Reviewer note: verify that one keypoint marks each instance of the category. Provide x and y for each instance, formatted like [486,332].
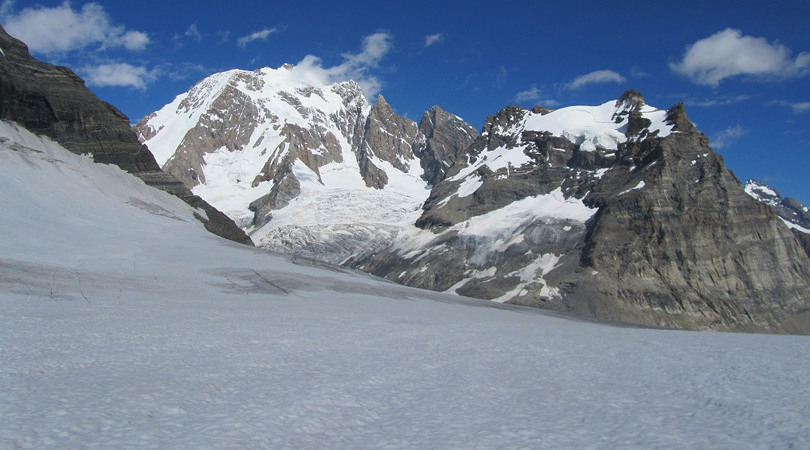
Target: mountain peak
[676,116]
[631,100]
[381,101]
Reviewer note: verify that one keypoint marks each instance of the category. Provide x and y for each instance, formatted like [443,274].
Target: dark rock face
[446,136]
[690,249]
[54,102]
[387,137]
[674,240]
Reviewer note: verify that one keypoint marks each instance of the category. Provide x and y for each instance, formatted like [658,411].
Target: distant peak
[631,100]
[287,66]
[380,100]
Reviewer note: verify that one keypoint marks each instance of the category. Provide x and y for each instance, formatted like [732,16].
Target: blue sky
[742,68]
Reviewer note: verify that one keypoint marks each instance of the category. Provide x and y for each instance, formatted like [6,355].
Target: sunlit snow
[593,127]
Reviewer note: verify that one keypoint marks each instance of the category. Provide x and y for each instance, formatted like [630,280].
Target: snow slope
[126,325]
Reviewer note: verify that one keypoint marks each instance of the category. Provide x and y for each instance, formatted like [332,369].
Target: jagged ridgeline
[54,102]
[619,211]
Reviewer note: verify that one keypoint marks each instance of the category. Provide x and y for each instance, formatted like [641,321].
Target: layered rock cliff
[619,211]
[54,102]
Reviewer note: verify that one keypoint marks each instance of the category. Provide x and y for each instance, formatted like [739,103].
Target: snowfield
[124,324]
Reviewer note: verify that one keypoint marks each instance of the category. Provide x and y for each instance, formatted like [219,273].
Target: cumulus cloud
[729,53]
[355,66]
[437,38]
[728,137]
[119,75]
[62,29]
[257,36]
[596,77]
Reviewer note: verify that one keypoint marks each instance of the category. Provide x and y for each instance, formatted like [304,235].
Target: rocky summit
[619,211]
[54,102]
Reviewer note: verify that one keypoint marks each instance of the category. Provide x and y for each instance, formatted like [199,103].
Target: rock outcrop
[54,102]
[446,136]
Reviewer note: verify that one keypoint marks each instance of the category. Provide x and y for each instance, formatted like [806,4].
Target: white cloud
[530,95]
[728,137]
[259,35]
[533,95]
[135,40]
[728,53]
[437,38]
[355,66]
[119,75]
[599,76]
[62,29]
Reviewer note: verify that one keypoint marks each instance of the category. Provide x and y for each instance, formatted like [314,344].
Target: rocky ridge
[619,211]
[54,102]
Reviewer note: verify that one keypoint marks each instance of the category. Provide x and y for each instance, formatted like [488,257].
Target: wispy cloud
[635,72]
[257,36]
[530,95]
[729,53]
[801,107]
[797,107]
[596,77]
[355,66]
[119,75]
[437,38]
[728,137]
[501,76]
[533,95]
[62,29]
[193,33]
[719,101]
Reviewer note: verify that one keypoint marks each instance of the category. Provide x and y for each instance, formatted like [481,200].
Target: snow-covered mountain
[332,171]
[793,213]
[618,211]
